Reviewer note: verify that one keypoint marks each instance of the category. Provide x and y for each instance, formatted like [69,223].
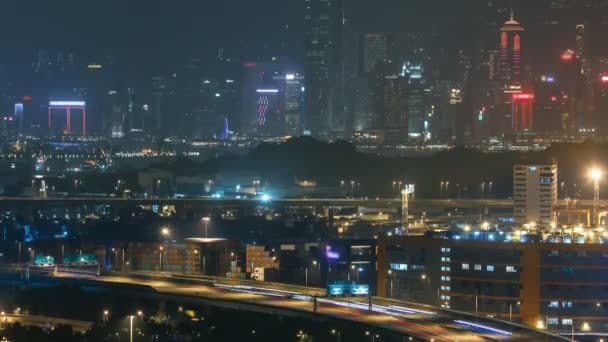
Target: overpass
[44,321]
[497,203]
[409,319]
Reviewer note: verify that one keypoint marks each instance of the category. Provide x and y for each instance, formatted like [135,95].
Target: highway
[422,322]
[335,202]
[44,321]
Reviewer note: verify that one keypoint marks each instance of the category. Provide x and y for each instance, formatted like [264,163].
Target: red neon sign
[523,96]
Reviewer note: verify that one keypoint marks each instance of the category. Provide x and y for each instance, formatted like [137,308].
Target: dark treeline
[329,163]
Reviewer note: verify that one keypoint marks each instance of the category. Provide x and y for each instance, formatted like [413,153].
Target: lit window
[553,304]
[510,269]
[490,268]
[477,267]
[566,321]
[398,267]
[567,305]
[465,266]
[552,321]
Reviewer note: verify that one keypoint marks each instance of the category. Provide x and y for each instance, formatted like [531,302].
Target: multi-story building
[292,104]
[534,193]
[510,54]
[374,50]
[320,31]
[555,282]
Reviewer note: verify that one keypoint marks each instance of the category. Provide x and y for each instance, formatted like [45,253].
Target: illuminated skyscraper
[374,50]
[510,55]
[320,37]
[292,104]
[523,111]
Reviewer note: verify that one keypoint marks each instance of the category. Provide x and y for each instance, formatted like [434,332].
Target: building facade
[556,282]
[534,194]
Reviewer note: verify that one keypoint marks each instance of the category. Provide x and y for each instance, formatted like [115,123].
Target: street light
[206,221]
[165,232]
[596,175]
[336,333]
[106,314]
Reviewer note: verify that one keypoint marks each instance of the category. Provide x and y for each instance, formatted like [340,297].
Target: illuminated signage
[266,91]
[67,104]
[94,66]
[523,96]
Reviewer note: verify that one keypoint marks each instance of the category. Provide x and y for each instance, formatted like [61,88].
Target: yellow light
[540,324]
[595,174]
[94,66]
[467,228]
[586,327]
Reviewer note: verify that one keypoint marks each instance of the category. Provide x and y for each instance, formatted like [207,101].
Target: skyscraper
[292,104]
[523,111]
[320,31]
[510,54]
[374,50]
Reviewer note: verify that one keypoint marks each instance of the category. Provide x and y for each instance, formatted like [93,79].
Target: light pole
[596,175]
[160,258]
[336,333]
[131,328]
[447,189]
[106,314]
[359,269]
[441,189]
[206,221]
[392,278]
[352,188]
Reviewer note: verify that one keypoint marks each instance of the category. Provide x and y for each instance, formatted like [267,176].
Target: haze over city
[303,170]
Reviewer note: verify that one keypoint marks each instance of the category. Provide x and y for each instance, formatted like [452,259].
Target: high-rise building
[394,113]
[510,54]
[320,35]
[113,108]
[268,111]
[534,193]
[292,104]
[374,50]
[522,111]
[417,124]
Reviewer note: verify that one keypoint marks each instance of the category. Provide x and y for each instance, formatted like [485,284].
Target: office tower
[349,65]
[549,104]
[256,75]
[394,113]
[268,111]
[415,100]
[18,115]
[320,36]
[510,54]
[522,111]
[534,193]
[292,104]
[114,110]
[374,50]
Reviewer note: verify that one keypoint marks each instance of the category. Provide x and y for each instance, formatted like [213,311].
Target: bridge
[409,319]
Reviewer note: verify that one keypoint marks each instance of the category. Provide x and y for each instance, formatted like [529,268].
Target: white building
[534,193]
